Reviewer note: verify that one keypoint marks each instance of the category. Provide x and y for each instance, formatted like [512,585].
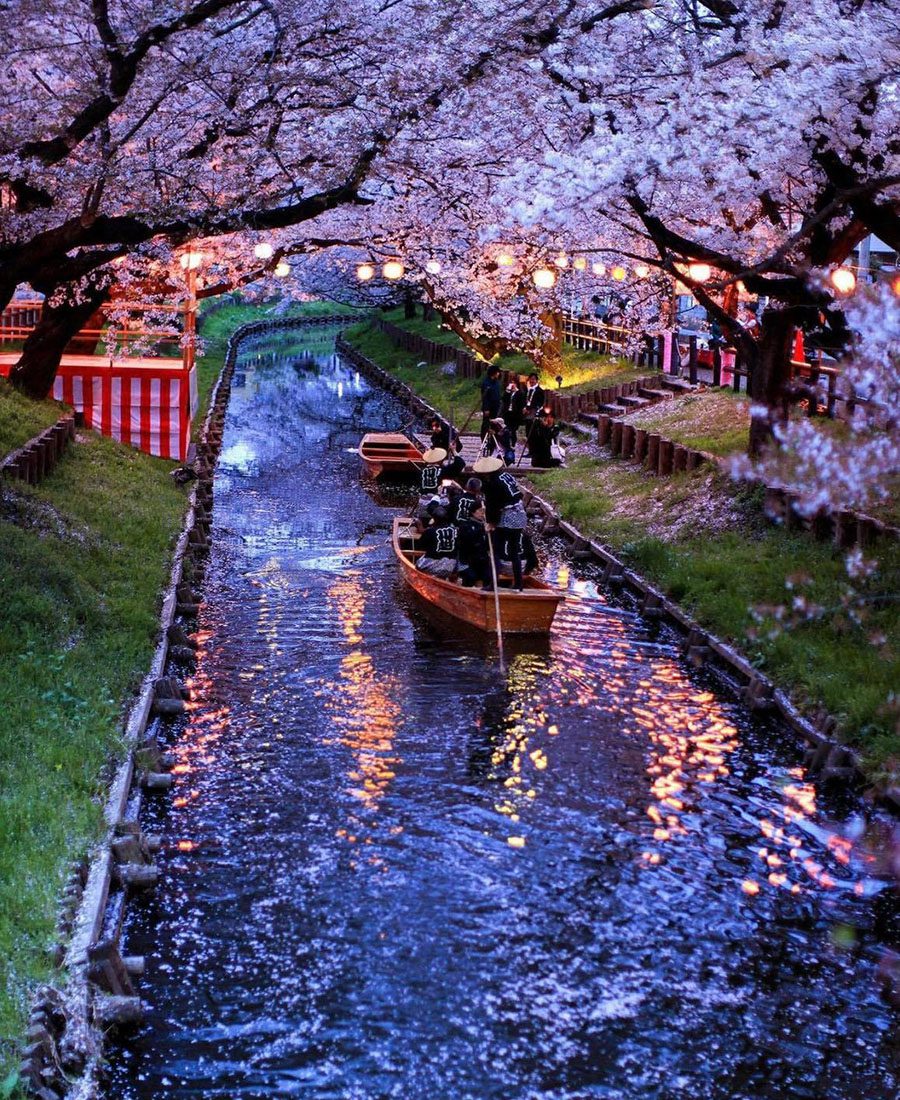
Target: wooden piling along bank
[37,458]
[66,1026]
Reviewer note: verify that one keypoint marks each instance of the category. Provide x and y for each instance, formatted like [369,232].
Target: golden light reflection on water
[514,763]
[689,734]
[365,710]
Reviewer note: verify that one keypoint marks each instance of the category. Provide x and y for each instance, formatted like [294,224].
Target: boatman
[430,483]
[504,513]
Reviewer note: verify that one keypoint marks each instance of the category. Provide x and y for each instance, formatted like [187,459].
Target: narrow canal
[390,871]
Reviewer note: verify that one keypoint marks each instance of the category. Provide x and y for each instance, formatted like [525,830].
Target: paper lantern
[393,270]
[699,272]
[544,278]
[843,280]
[579,263]
[190,261]
[263,251]
[282,269]
[505,260]
[598,268]
[562,260]
[619,273]
[433,267]
[365,272]
[642,271]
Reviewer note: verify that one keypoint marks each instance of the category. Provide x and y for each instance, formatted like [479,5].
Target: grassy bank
[705,541]
[83,560]
[21,418]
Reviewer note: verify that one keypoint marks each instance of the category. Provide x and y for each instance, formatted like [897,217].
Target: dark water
[389,871]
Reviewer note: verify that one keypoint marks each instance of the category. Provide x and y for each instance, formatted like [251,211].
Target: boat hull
[528,612]
[387,454]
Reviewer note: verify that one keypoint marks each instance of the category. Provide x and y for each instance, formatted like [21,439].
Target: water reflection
[389,871]
[363,705]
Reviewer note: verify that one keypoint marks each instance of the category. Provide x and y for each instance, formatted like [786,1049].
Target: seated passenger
[453,467]
[439,544]
[470,500]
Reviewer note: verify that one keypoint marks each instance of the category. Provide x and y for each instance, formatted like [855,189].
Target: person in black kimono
[490,398]
[439,546]
[504,513]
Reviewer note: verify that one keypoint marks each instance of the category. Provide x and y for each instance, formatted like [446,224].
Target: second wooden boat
[528,612]
[386,453]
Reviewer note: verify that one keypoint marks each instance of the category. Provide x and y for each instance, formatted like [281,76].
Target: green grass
[83,560]
[720,573]
[21,418]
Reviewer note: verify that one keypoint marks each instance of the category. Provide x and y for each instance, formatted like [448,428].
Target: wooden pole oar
[496,602]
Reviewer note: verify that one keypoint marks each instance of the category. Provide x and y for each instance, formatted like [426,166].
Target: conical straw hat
[487,465]
[435,454]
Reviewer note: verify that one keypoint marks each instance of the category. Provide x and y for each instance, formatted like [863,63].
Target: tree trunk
[409,306]
[39,362]
[548,357]
[427,311]
[769,374]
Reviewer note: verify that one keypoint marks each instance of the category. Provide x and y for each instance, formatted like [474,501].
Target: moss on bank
[83,561]
[705,541]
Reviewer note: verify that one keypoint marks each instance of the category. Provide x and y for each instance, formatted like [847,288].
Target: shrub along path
[705,541]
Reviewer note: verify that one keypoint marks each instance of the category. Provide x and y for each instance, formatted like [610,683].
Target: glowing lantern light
[263,251]
[642,271]
[598,268]
[505,260]
[282,269]
[843,280]
[433,267]
[544,278]
[619,273]
[895,285]
[393,270]
[579,263]
[365,272]
[562,260]
[699,272]
[190,261]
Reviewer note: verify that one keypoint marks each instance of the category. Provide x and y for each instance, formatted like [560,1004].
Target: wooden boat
[528,612]
[389,453]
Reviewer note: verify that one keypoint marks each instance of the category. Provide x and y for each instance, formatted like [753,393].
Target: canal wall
[98,987]
[827,760]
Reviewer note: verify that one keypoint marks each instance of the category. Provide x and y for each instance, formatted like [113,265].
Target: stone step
[589,418]
[613,410]
[655,395]
[631,402]
[677,385]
